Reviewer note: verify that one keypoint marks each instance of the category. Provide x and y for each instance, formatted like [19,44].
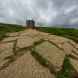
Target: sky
[46,12]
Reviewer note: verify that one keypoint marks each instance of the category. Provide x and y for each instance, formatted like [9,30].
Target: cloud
[49,12]
[70,9]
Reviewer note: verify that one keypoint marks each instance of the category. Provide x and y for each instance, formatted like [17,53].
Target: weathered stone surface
[65,44]
[67,48]
[26,67]
[9,39]
[44,35]
[77,46]
[13,34]
[52,53]
[5,51]
[57,39]
[37,38]
[30,33]
[24,42]
[74,63]
[53,49]
[6,47]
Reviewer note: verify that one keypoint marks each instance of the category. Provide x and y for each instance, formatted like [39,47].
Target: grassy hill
[70,33]
[5,28]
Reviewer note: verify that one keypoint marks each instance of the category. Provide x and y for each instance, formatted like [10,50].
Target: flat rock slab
[13,34]
[51,53]
[29,32]
[9,39]
[74,63]
[67,48]
[53,49]
[77,46]
[26,67]
[24,41]
[44,35]
[63,43]
[5,51]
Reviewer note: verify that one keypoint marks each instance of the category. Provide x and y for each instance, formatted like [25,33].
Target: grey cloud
[49,12]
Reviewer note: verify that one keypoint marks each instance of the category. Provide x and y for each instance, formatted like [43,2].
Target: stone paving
[16,60]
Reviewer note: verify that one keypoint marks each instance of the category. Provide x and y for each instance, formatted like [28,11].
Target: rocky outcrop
[17,60]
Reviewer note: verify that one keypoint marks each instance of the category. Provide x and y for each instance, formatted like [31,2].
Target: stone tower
[30,24]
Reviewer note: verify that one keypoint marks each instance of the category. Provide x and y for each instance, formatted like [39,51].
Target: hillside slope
[9,28]
[70,33]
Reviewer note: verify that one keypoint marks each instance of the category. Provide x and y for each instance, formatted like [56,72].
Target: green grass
[67,70]
[70,33]
[5,28]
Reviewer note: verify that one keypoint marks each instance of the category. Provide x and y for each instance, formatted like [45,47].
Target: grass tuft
[67,70]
